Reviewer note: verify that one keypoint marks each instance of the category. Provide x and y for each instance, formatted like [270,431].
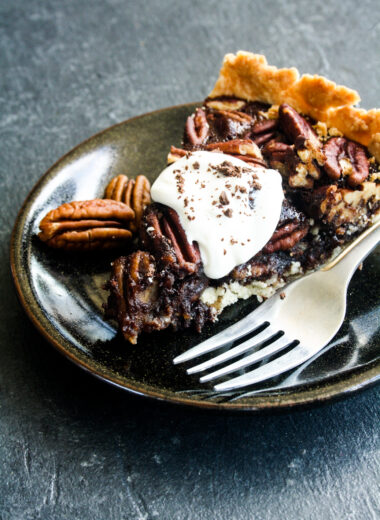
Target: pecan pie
[258,121]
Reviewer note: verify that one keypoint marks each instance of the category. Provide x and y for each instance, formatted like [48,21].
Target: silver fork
[309,311]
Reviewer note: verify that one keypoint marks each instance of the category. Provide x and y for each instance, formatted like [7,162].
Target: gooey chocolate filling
[160,284]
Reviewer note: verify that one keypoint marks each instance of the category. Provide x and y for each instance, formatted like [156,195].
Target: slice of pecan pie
[220,228]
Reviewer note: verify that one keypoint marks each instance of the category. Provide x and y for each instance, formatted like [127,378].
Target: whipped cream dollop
[227,206]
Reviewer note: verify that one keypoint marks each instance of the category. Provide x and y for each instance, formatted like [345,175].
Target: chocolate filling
[160,284]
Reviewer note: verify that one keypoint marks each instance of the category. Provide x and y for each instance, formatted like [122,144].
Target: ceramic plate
[63,293]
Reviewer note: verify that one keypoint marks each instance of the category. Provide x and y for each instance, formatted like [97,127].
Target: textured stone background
[72,447]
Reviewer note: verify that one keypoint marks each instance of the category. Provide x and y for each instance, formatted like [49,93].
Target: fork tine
[248,324]
[251,343]
[294,358]
[233,333]
[273,348]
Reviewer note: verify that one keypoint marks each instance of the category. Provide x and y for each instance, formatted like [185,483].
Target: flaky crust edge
[248,76]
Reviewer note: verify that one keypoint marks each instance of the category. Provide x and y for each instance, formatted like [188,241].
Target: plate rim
[332,390]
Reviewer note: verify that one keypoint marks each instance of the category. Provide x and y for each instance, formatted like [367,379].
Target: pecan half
[237,146]
[279,152]
[240,117]
[133,288]
[307,146]
[89,224]
[297,129]
[265,126]
[346,158]
[281,156]
[292,227]
[263,131]
[251,269]
[164,234]
[196,128]
[173,230]
[133,192]
[225,104]
[262,139]
[175,154]
[243,149]
[286,237]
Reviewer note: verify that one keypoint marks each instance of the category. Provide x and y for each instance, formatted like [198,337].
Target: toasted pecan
[89,224]
[133,192]
[345,157]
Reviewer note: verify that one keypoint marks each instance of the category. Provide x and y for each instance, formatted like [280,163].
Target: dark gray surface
[72,447]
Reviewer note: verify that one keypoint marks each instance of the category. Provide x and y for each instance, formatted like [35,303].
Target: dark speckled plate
[63,295]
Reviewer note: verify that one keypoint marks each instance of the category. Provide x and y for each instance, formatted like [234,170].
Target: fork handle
[348,260]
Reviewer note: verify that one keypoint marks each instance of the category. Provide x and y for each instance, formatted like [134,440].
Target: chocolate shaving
[228,169]
[223,198]
[254,183]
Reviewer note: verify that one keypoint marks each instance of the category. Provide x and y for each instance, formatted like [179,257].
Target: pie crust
[248,76]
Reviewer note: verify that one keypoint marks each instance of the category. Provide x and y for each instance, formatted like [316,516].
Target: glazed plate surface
[63,293]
